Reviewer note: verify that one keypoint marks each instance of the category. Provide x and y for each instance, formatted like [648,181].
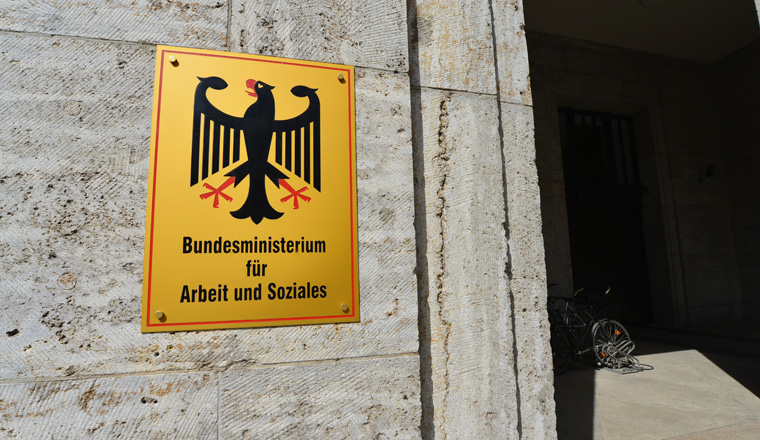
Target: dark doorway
[604,210]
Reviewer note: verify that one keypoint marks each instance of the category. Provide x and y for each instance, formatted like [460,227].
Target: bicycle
[576,330]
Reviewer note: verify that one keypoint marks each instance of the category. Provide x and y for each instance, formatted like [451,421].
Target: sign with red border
[251,214]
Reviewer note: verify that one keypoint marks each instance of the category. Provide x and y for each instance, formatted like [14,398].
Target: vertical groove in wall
[218,406]
[228,42]
[508,266]
[420,229]
[673,233]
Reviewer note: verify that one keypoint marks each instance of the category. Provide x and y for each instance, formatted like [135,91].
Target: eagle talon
[294,194]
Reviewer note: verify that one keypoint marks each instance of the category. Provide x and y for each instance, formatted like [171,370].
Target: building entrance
[603,193]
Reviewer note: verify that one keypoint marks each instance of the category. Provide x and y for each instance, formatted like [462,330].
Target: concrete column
[484,339]
[527,268]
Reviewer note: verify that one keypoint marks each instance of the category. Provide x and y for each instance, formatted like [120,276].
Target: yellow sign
[251,217]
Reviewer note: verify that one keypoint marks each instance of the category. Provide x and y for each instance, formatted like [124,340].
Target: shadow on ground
[574,398]
[704,386]
[733,347]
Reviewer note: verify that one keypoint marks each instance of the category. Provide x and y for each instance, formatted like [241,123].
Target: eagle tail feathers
[257,205]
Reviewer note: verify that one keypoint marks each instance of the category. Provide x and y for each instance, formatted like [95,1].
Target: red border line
[155,181]
[251,320]
[353,226]
[249,59]
[351,194]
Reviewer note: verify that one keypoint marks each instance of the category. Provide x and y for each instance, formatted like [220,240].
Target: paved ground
[694,392]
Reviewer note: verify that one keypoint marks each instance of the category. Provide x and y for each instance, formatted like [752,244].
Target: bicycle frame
[578,321]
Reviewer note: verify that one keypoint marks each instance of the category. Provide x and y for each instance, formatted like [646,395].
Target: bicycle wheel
[610,342]
[562,351]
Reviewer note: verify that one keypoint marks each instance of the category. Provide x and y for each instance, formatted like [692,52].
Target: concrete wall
[736,98]
[692,256]
[73,174]
[453,341]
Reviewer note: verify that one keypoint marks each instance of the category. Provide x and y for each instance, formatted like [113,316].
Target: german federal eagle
[216,144]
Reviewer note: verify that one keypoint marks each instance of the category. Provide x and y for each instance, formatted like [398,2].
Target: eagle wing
[216,135]
[301,137]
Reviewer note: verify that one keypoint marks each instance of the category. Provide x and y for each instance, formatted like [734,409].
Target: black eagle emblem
[216,144]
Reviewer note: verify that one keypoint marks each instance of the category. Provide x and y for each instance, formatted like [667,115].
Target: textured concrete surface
[455,44]
[152,406]
[74,196]
[511,52]
[527,272]
[200,23]
[362,33]
[73,171]
[470,329]
[523,198]
[353,399]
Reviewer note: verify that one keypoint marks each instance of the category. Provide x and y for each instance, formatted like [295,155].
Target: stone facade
[697,155]
[453,341]
[736,96]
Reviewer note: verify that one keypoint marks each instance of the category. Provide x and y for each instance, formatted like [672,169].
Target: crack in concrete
[440,162]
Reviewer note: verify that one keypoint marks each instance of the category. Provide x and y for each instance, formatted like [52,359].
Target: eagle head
[252,86]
